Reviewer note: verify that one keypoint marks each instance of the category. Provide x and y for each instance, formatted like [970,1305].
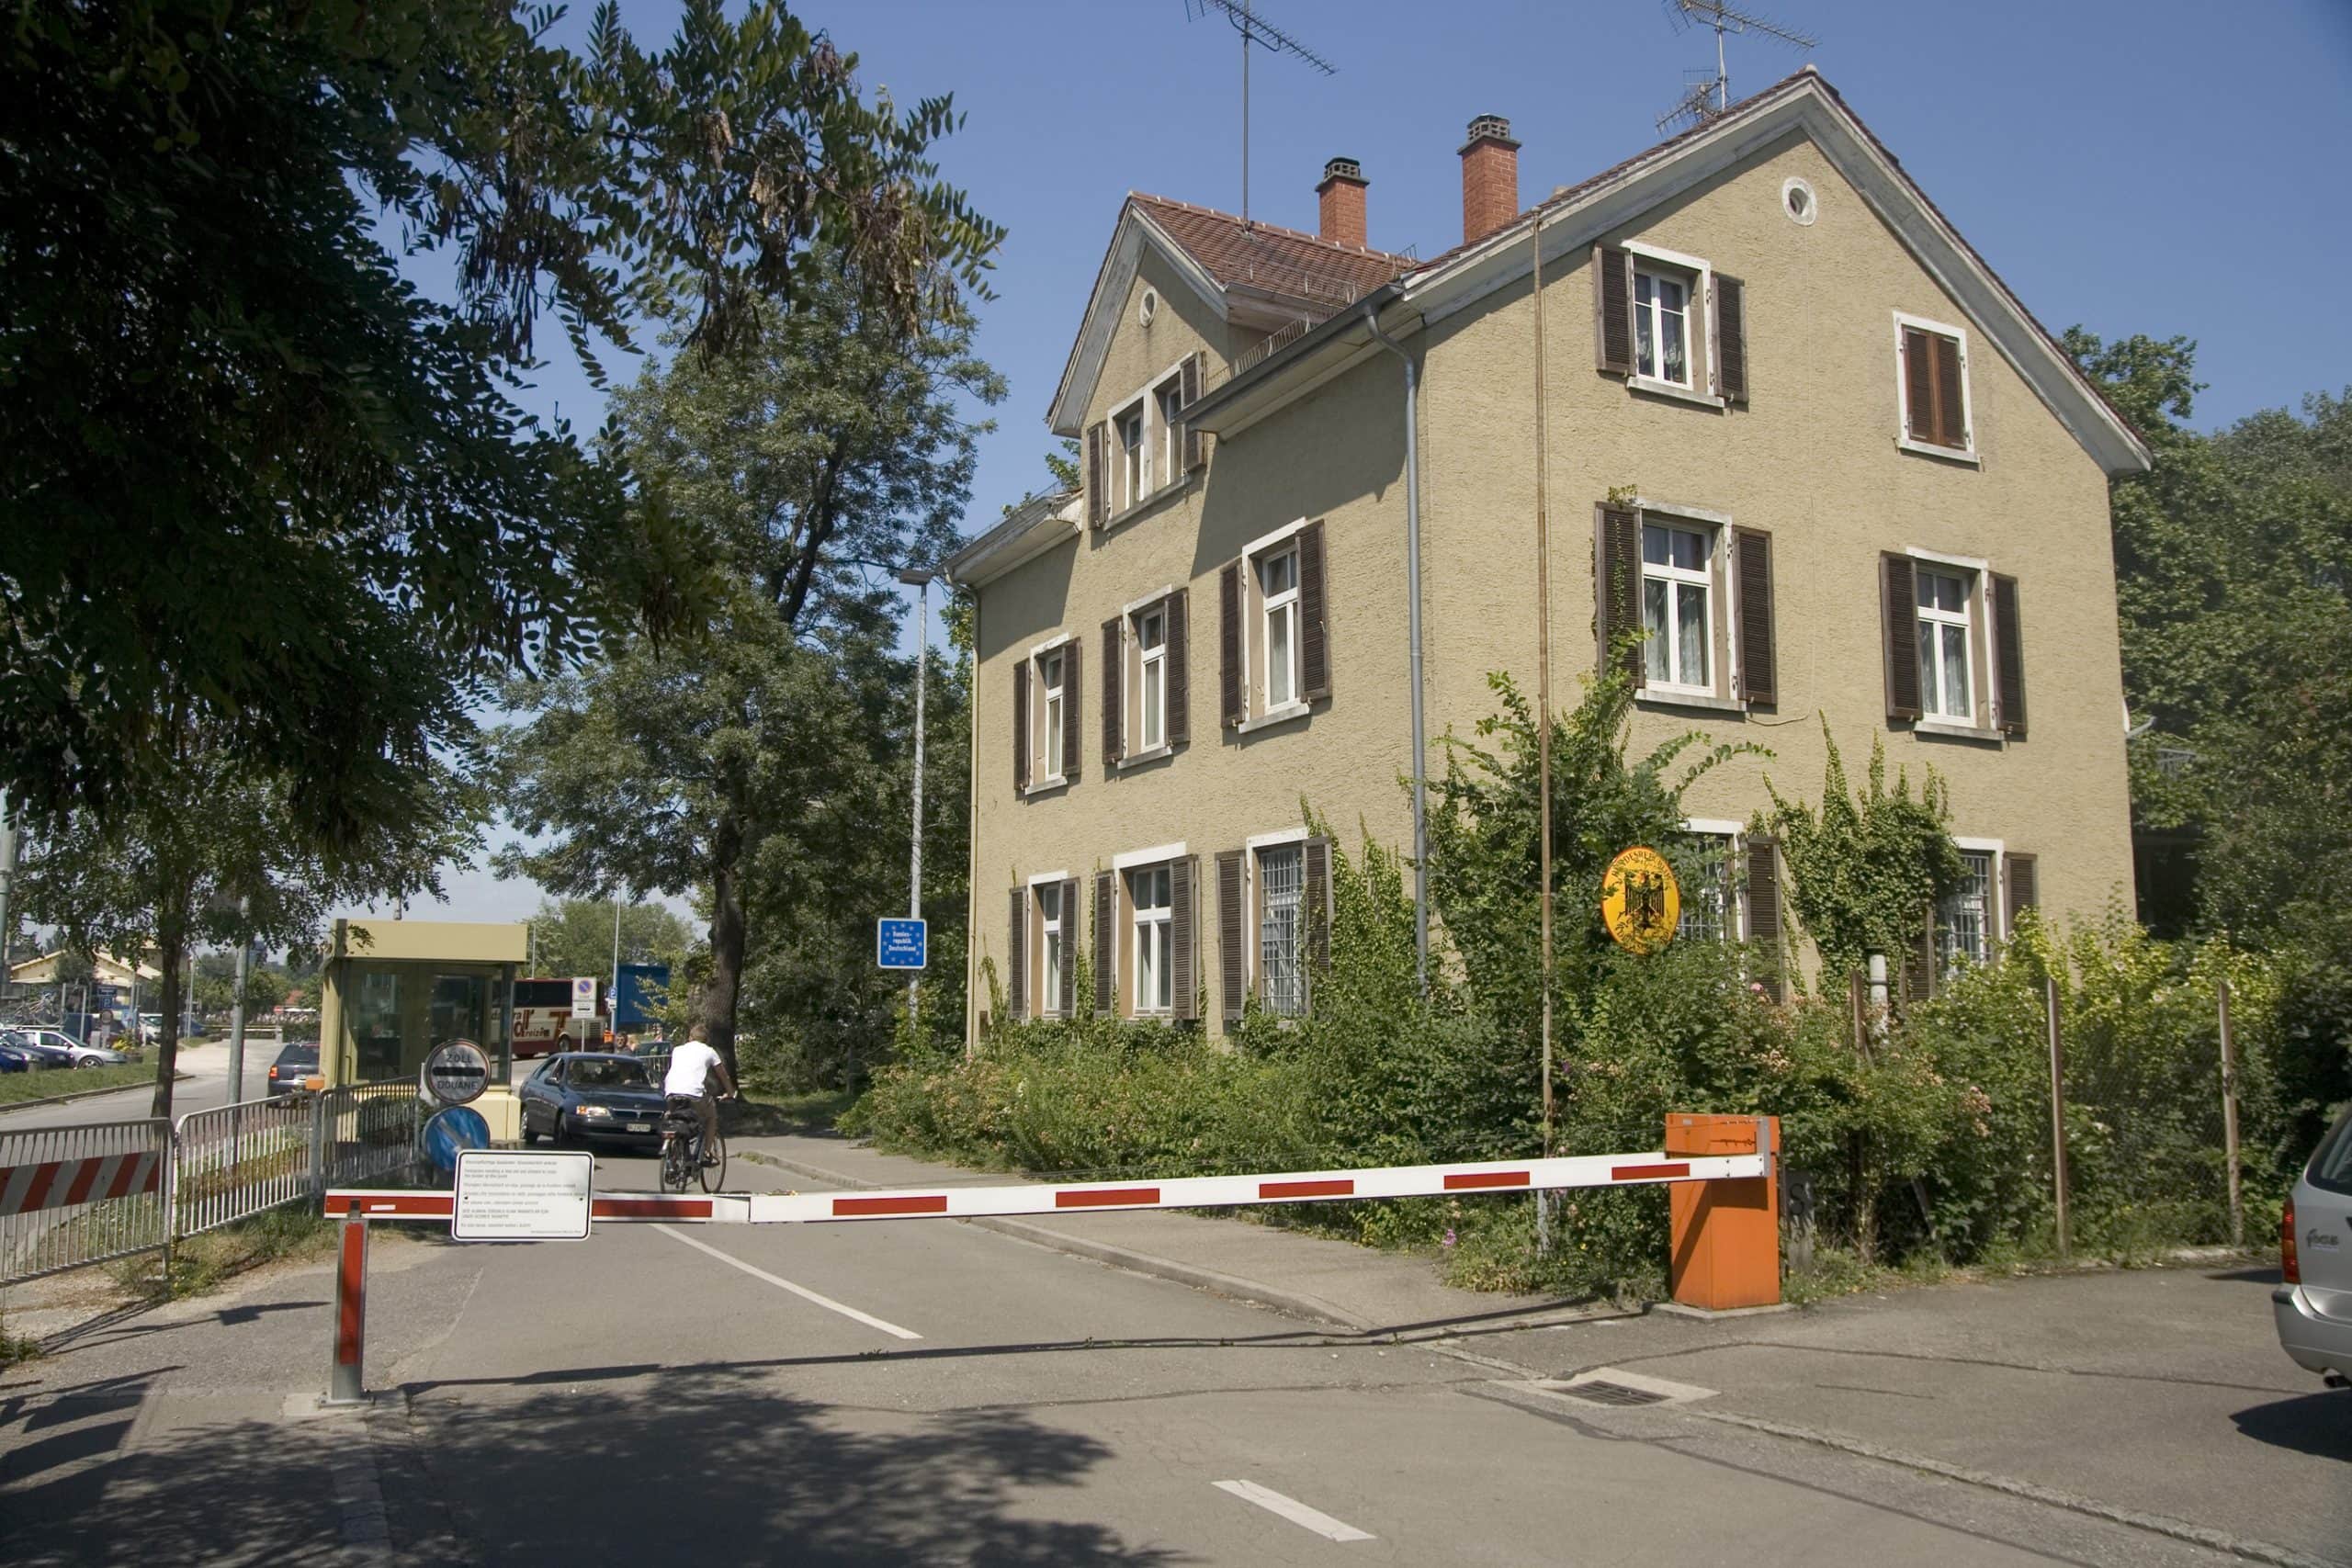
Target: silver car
[2314,1304]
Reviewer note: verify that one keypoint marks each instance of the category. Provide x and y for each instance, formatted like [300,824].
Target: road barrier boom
[1086,1197]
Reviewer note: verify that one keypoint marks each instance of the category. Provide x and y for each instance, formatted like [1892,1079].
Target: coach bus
[543,1017]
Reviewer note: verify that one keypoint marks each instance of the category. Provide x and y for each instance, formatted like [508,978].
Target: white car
[2313,1301]
[82,1056]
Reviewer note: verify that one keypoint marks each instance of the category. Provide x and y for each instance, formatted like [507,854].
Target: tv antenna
[1706,98]
[1256,29]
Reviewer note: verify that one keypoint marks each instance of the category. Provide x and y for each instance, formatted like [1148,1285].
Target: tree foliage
[575,936]
[1864,869]
[250,468]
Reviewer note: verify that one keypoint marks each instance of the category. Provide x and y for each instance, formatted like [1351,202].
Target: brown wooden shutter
[1314,638]
[1021,724]
[1764,915]
[1316,866]
[1951,423]
[1115,682]
[1232,926]
[1192,394]
[1612,310]
[1228,591]
[1919,963]
[1920,384]
[1731,339]
[1752,559]
[1016,956]
[2022,888]
[2008,655]
[1180,937]
[1106,946]
[1096,498]
[1899,603]
[1073,730]
[1176,715]
[1069,1000]
[1621,590]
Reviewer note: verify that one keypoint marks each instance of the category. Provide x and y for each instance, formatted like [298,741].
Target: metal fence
[71,1196]
[75,1195]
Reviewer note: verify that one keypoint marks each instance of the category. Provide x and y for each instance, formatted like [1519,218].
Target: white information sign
[522,1195]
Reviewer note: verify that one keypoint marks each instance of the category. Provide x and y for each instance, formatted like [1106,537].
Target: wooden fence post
[2057,1115]
[2229,1116]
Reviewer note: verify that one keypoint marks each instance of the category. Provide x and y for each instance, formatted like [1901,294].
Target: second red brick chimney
[1490,177]
[1343,192]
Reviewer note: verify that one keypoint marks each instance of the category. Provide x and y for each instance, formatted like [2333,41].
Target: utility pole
[613,1004]
[237,1009]
[1542,730]
[7,887]
[920,580]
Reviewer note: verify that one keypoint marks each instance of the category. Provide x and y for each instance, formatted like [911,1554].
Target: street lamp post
[920,580]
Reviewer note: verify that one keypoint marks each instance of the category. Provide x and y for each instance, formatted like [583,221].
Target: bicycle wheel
[673,1162]
[714,1176]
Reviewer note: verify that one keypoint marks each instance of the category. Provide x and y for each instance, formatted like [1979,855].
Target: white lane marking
[1294,1510]
[803,1291]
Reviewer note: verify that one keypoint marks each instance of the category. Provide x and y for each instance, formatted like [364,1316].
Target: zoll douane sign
[522,1195]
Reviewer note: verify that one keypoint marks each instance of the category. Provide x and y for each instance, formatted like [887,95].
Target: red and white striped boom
[1052,1198]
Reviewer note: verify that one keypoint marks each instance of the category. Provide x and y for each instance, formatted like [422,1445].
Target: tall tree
[575,936]
[252,477]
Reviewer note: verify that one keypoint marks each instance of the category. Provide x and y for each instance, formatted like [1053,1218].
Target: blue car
[597,1097]
[14,1061]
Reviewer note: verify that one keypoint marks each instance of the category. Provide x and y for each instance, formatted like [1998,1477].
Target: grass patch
[13,1349]
[17,1087]
[295,1233]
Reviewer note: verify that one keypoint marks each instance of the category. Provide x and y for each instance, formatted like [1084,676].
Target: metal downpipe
[1413,639]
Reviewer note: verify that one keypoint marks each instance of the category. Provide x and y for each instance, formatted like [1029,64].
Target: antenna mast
[1704,97]
[1256,29]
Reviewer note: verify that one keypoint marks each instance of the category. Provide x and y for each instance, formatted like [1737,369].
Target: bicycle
[682,1150]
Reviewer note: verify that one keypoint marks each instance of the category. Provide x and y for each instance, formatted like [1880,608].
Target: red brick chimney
[1490,177]
[1342,194]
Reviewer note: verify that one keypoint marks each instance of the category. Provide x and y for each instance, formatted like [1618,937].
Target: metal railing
[237,1160]
[71,1196]
[75,1195]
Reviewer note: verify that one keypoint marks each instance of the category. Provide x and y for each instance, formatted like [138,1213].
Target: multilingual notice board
[522,1195]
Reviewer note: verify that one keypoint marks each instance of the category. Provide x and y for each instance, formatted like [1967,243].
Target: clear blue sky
[2159,166]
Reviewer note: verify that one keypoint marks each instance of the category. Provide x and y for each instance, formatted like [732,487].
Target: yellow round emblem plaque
[1639,901]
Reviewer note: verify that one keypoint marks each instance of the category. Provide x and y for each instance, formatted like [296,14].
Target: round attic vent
[1147,307]
[1797,200]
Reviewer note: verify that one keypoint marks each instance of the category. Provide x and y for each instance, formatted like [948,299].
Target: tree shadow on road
[623,1465]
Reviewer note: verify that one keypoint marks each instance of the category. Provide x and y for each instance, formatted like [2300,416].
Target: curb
[2155,1524]
[1292,1302]
[11,1107]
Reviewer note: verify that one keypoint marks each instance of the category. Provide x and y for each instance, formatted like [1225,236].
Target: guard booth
[394,989]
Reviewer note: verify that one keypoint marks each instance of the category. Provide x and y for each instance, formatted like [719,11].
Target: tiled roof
[1265,256]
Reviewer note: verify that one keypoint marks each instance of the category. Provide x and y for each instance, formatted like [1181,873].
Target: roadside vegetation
[1926,1146]
[17,1087]
[296,1232]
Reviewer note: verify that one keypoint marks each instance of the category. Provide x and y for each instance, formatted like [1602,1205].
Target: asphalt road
[919,1391]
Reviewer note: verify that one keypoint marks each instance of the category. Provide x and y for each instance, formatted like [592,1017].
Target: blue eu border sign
[901,944]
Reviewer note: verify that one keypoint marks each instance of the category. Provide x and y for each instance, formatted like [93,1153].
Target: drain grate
[1595,1391]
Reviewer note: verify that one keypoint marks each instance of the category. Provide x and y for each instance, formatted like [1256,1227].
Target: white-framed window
[1661,325]
[1132,456]
[1946,656]
[1277,575]
[1167,404]
[1282,929]
[1678,605]
[1151,677]
[1964,926]
[1709,910]
[1153,914]
[1053,950]
[1049,705]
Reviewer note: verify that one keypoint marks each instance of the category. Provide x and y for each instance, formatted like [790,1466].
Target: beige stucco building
[1787,421]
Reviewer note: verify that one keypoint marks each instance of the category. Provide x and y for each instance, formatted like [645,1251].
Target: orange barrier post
[1726,1234]
[346,1382]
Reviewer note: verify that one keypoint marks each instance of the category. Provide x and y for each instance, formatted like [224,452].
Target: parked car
[13,1060]
[296,1065]
[40,1053]
[77,1055]
[600,1095]
[2312,1303]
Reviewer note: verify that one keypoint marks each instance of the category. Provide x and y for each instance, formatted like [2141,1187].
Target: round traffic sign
[456,1073]
[1639,901]
[452,1130]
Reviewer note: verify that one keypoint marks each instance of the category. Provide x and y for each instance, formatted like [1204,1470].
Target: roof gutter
[1370,313]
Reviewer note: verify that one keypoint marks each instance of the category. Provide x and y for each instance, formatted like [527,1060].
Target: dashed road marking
[1294,1510]
[803,1291]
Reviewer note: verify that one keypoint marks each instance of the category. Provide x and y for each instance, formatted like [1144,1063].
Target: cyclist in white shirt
[691,1065]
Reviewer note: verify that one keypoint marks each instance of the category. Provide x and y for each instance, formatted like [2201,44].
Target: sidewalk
[1334,1283]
